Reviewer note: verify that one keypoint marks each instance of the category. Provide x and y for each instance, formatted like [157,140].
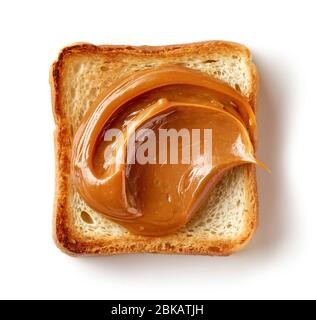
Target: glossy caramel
[157,199]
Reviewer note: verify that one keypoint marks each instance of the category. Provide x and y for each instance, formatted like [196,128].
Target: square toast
[229,218]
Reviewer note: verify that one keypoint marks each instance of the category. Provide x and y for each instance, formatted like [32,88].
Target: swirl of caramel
[157,198]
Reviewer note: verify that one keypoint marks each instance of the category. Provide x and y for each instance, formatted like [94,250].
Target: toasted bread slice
[81,71]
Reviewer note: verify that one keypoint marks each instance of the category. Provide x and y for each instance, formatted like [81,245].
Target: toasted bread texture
[81,72]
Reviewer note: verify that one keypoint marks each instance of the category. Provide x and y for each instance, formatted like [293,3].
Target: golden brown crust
[74,244]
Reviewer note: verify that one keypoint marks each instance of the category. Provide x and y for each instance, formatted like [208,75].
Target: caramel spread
[157,198]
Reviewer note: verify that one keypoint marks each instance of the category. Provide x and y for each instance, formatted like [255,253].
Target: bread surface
[81,72]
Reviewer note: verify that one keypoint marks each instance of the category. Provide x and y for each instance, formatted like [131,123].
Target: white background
[280,261]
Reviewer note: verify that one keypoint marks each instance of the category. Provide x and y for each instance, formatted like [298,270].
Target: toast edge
[62,234]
